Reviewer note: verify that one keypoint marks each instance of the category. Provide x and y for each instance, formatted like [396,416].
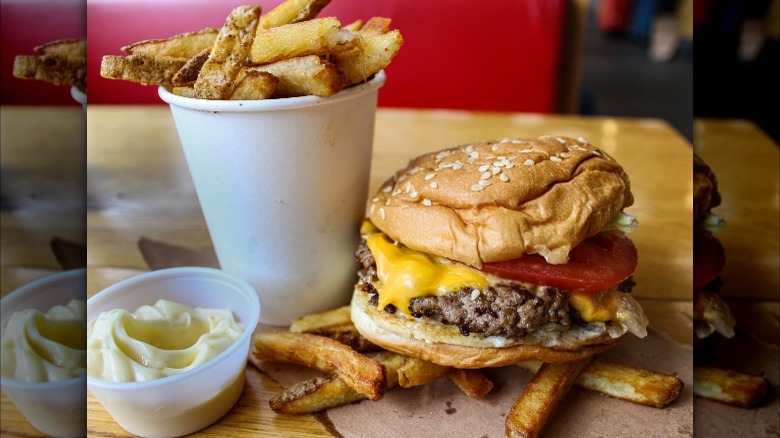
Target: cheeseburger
[710,313]
[497,252]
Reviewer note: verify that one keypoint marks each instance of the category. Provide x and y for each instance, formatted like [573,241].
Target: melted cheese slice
[405,274]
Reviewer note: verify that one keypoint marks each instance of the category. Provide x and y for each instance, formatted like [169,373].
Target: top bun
[705,190]
[497,200]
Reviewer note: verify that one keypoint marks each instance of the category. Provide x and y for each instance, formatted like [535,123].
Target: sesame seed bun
[497,200]
[444,345]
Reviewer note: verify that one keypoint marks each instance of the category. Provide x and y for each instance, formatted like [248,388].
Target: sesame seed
[429,176]
[382,213]
[518,142]
[408,187]
[387,189]
[597,153]
[484,182]
[387,202]
[582,140]
[565,154]
[375,200]
[529,162]
[580,148]
[469,148]
[527,151]
[498,163]
[434,185]
[486,175]
[413,194]
[494,147]
[496,170]
[470,160]
[503,177]
[477,187]
[396,192]
[474,154]
[556,159]
[484,167]
[457,165]
[475,294]
[371,210]
[509,165]
[561,140]
[427,202]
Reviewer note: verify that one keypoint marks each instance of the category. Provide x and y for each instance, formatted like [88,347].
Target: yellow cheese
[598,307]
[405,274]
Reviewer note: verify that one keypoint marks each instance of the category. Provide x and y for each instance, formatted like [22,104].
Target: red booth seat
[502,55]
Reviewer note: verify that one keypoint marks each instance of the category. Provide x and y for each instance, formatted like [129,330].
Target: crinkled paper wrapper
[439,409]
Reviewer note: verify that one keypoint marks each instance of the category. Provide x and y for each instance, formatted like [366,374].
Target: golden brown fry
[320,393]
[184,91]
[473,383]
[291,11]
[55,69]
[624,382]
[321,36]
[416,372]
[375,26]
[65,48]
[188,74]
[377,53]
[255,85]
[540,398]
[228,54]
[142,68]
[315,321]
[354,26]
[303,76]
[361,373]
[185,45]
[729,387]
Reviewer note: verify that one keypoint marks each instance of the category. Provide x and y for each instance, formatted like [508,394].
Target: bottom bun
[429,341]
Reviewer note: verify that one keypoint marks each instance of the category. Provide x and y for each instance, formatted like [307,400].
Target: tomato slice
[709,258]
[598,263]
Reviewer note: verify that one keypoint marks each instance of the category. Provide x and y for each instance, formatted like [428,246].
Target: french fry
[185,45]
[729,387]
[315,321]
[255,85]
[321,393]
[375,26]
[188,74]
[354,26]
[291,11]
[361,373]
[142,68]
[49,68]
[473,383]
[320,36]
[416,372]
[377,53]
[65,48]
[624,382]
[184,91]
[303,76]
[228,55]
[541,397]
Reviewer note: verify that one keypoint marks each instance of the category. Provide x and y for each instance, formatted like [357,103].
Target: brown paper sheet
[439,409]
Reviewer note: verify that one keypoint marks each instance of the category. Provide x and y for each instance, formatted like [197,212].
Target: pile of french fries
[356,370]
[61,62]
[285,53]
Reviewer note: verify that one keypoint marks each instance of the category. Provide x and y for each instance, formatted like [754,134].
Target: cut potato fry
[228,55]
[188,74]
[541,397]
[315,321]
[255,85]
[55,69]
[473,383]
[377,53]
[303,76]
[66,48]
[729,387]
[141,68]
[375,26]
[292,11]
[185,45]
[361,373]
[354,26]
[321,393]
[624,382]
[321,36]
[184,91]
[416,372]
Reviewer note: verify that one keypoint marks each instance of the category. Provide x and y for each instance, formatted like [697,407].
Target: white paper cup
[55,408]
[79,96]
[283,185]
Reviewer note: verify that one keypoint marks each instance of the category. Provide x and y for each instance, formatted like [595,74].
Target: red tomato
[709,258]
[598,263]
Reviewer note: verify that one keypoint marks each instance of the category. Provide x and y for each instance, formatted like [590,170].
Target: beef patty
[504,309]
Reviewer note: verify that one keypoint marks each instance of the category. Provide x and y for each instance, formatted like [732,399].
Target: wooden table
[139,185]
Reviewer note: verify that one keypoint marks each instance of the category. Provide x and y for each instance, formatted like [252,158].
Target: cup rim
[12,298]
[249,326]
[271,104]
